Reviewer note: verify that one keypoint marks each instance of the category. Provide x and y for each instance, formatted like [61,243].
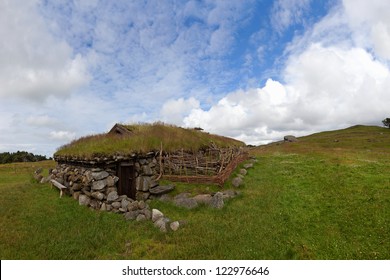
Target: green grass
[145,138]
[315,199]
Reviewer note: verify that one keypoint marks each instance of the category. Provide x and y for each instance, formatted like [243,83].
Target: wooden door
[126,180]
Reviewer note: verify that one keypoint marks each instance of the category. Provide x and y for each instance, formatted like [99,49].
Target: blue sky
[253,70]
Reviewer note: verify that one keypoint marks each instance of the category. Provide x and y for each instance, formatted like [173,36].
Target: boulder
[203,199]
[110,181]
[84,200]
[143,183]
[131,215]
[248,165]
[165,198]
[77,187]
[229,194]
[124,203]
[86,190]
[186,202]
[243,171]
[94,204]
[160,190]
[110,189]
[132,206]
[116,204]
[142,196]
[162,224]
[217,201]
[174,226]
[140,218]
[147,213]
[87,177]
[76,195]
[112,196]
[237,181]
[98,185]
[97,195]
[156,215]
[146,170]
[290,138]
[100,175]
[141,205]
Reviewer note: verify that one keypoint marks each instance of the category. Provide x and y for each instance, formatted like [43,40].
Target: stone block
[156,215]
[112,196]
[99,175]
[217,201]
[84,200]
[97,195]
[159,190]
[98,185]
[143,183]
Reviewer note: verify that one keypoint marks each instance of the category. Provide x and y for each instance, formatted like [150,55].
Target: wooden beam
[58,185]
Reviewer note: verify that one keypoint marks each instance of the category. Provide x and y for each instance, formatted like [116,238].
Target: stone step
[159,190]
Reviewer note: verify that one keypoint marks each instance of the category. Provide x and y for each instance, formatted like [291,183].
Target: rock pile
[239,179]
[164,223]
[186,200]
[96,188]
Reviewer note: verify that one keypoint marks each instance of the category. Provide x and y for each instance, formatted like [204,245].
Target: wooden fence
[213,166]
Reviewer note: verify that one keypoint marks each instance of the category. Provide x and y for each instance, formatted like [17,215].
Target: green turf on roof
[145,138]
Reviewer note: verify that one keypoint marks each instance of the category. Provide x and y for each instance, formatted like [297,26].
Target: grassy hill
[145,138]
[324,197]
[356,138]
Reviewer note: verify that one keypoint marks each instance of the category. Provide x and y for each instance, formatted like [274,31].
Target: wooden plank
[57,184]
[60,186]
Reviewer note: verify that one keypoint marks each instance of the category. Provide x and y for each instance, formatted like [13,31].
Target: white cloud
[288,12]
[330,79]
[245,114]
[371,24]
[173,111]
[41,121]
[35,64]
[326,88]
[62,135]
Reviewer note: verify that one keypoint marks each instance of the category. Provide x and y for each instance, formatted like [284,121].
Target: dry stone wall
[97,188]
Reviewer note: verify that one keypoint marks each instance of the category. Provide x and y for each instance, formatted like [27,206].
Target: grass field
[324,197]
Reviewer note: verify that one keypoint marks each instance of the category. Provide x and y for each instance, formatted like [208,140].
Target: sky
[251,70]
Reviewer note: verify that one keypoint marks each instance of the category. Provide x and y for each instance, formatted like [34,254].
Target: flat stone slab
[161,189]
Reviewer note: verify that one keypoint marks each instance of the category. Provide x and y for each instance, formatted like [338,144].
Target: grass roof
[145,138]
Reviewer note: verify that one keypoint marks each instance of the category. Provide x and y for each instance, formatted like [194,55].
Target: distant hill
[358,137]
[20,156]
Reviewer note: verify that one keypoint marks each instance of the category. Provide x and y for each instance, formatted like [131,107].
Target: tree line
[20,156]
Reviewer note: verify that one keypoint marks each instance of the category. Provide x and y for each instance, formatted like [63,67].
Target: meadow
[326,196]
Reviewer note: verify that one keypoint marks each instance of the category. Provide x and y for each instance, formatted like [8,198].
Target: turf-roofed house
[130,160]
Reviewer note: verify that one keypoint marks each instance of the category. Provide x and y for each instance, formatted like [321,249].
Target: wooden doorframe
[126,184]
